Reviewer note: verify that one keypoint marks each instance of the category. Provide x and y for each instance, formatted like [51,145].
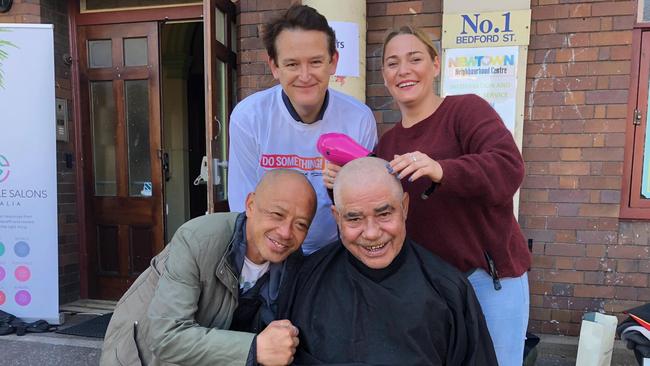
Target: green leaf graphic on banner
[4,54]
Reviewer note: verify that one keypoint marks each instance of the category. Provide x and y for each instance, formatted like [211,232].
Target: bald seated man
[377,298]
[216,284]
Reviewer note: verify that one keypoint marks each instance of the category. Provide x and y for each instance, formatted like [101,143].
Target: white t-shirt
[264,136]
[250,273]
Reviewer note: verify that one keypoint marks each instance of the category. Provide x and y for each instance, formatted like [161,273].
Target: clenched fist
[277,343]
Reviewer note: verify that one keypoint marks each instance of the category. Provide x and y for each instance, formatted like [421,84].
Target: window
[635,198]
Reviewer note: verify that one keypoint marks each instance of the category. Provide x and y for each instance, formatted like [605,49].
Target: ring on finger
[414,158]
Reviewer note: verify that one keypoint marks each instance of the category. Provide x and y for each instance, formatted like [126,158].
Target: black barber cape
[417,311]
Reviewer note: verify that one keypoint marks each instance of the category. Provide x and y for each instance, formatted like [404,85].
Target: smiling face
[303,68]
[278,215]
[409,70]
[372,221]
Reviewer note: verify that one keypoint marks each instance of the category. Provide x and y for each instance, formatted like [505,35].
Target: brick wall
[574,132]
[56,12]
[254,73]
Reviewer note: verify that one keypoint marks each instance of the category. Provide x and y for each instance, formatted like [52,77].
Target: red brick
[627,279]
[540,85]
[578,40]
[569,168]
[565,250]
[572,25]
[540,182]
[575,83]
[613,38]
[550,12]
[568,196]
[539,209]
[539,127]
[606,97]
[600,182]
[627,265]
[577,69]
[605,125]
[602,154]
[570,154]
[546,70]
[379,23]
[576,54]
[616,111]
[626,293]
[573,112]
[623,22]
[621,52]
[613,8]
[579,10]
[604,210]
[606,292]
[534,222]
[546,27]
[407,7]
[548,41]
[606,24]
[564,276]
[628,251]
[546,99]
[571,141]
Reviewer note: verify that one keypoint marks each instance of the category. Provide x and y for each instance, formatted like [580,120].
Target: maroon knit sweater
[471,211]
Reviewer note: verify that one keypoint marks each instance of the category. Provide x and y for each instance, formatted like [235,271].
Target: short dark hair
[298,17]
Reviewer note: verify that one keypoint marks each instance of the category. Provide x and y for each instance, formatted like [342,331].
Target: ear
[405,204]
[436,66]
[334,62]
[335,213]
[250,200]
[274,68]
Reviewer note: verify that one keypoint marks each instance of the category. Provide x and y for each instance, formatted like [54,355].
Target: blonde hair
[418,33]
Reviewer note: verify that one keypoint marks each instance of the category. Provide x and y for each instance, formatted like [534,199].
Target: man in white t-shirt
[279,127]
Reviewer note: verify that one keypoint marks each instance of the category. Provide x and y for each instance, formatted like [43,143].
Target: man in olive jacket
[193,305]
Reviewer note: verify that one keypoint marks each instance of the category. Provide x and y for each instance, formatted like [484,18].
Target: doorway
[151,112]
[183,101]
[120,92]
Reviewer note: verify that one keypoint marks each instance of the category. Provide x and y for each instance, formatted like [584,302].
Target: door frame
[75,19]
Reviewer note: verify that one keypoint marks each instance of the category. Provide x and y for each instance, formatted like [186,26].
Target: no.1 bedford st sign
[491,29]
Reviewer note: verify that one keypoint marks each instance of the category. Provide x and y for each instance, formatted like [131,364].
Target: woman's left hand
[415,165]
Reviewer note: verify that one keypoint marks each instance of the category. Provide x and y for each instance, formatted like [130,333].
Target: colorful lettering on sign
[280,161]
[501,60]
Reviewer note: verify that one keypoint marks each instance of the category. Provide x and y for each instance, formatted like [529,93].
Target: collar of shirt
[378,275]
[236,256]
[296,116]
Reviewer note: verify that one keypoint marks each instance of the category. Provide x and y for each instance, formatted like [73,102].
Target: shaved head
[370,209]
[279,213]
[275,179]
[363,172]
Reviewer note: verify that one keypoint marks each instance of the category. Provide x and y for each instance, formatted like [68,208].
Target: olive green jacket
[179,309]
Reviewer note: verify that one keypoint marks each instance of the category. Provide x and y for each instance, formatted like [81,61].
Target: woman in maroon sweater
[458,150]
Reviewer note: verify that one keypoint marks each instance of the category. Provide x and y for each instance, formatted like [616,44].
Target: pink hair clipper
[339,148]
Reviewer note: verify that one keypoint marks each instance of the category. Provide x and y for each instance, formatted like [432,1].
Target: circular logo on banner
[22,273]
[23,298]
[2,249]
[4,168]
[2,273]
[21,249]
[3,298]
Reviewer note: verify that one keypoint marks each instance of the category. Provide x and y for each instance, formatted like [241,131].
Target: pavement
[45,349]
